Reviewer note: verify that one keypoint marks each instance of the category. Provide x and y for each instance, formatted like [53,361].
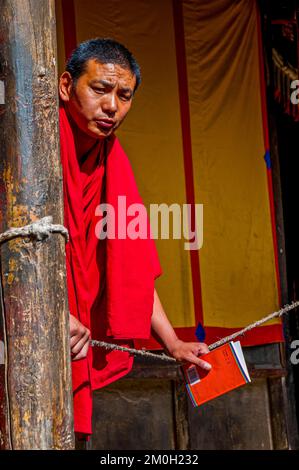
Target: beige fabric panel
[237,259]
[151,134]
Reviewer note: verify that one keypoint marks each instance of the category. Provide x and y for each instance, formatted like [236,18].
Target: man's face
[100,99]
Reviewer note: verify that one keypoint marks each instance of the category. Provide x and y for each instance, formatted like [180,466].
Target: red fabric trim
[273,220]
[187,145]
[262,335]
[283,22]
[267,147]
[262,81]
[69,26]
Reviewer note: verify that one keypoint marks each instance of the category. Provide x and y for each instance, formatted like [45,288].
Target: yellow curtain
[237,260]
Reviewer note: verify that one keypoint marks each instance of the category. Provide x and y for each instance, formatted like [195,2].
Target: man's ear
[65,86]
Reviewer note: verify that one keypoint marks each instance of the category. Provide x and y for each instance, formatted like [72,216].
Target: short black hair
[104,50]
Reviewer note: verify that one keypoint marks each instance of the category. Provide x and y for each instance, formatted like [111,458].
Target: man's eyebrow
[111,85]
[103,82]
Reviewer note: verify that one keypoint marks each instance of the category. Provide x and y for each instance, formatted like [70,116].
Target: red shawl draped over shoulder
[111,281]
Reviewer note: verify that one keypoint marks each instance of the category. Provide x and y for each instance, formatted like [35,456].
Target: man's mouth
[105,124]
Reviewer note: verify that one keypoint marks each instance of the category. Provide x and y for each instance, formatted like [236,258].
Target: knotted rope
[41,230]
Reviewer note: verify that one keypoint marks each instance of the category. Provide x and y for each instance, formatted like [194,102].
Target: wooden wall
[149,409]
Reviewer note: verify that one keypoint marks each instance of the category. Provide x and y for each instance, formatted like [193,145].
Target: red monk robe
[110,282]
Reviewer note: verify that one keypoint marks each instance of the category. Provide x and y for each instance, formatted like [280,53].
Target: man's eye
[99,90]
[125,97]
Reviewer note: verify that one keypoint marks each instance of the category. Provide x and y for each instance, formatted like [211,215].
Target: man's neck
[83,142]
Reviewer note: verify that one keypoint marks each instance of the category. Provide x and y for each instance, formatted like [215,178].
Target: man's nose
[109,105]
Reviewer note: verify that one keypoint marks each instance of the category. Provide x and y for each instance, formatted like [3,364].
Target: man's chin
[99,134]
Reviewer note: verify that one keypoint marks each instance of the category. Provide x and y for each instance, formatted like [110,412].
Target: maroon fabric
[111,281]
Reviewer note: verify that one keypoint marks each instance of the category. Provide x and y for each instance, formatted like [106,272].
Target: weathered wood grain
[38,379]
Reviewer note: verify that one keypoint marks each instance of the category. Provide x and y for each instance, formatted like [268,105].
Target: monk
[111,291]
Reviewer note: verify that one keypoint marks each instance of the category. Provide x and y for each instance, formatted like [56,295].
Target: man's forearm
[162,326]
[182,351]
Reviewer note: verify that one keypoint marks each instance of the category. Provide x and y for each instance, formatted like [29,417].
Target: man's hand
[80,336]
[177,348]
[189,352]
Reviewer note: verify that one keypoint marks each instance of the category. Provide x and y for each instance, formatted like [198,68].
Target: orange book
[228,371]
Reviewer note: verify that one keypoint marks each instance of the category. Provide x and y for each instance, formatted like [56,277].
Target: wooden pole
[36,410]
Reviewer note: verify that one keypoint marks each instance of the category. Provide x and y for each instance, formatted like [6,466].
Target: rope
[40,229]
[165,358]
[135,352]
[269,317]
